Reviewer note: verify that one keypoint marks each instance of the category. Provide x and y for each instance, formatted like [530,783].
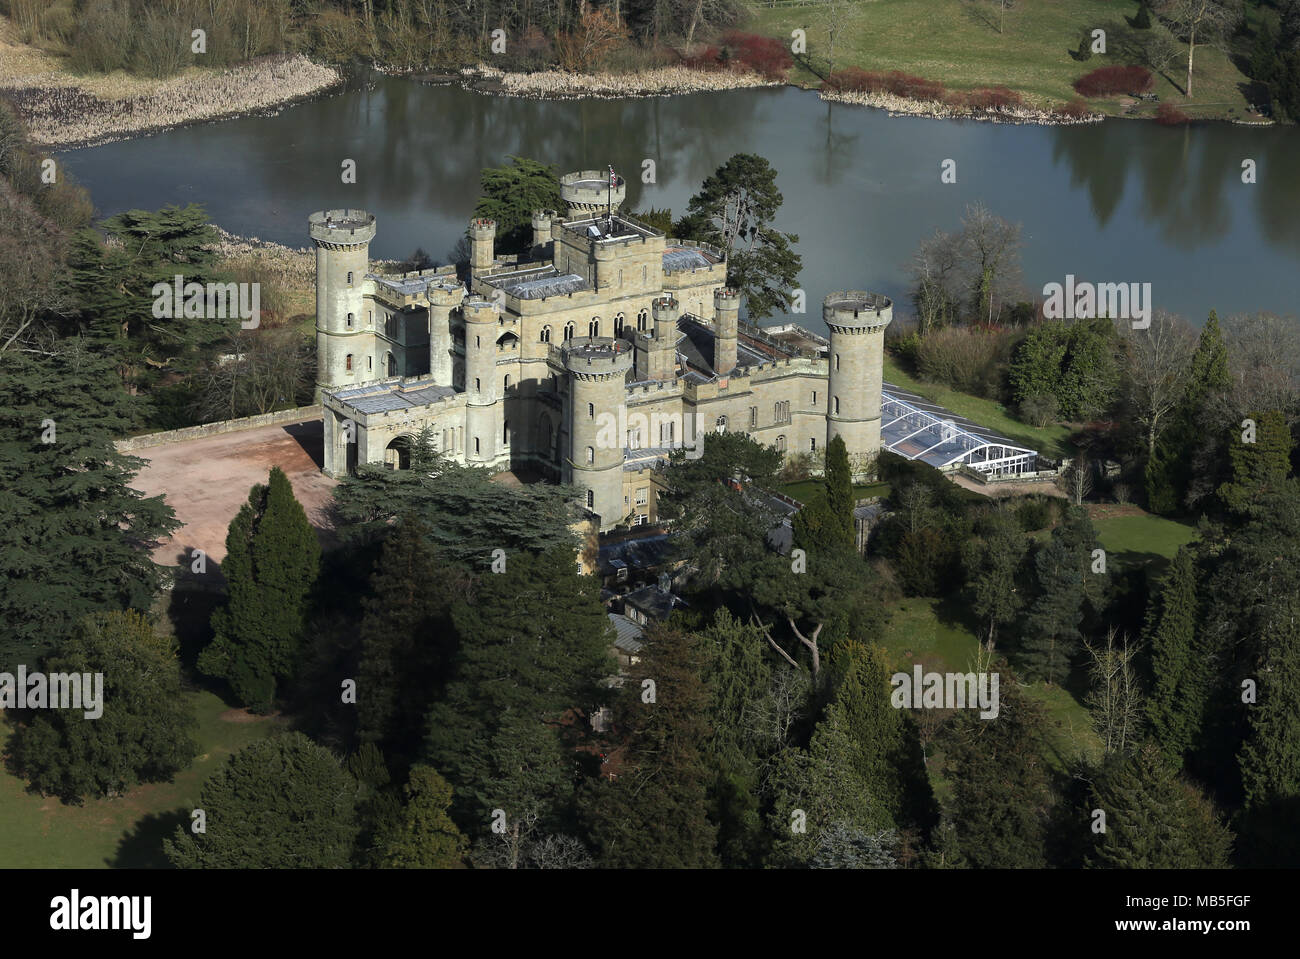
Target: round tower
[857,322]
[588,193]
[481,408]
[482,242]
[597,369]
[662,361]
[342,240]
[444,296]
[726,325]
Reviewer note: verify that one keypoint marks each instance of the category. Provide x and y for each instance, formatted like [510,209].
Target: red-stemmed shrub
[857,80]
[765,55]
[994,98]
[1076,109]
[1113,80]
[1169,115]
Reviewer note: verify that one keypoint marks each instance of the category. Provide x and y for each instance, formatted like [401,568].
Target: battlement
[342,227]
[594,356]
[587,191]
[857,309]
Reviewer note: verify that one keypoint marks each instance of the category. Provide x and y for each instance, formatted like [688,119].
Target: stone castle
[587,363]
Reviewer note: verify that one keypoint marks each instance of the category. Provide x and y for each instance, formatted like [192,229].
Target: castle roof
[697,345]
[387,395]
[538,284]
[680,258]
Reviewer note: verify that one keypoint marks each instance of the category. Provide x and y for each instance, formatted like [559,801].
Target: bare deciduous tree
[1076,480]
[1156,364]
[1200,21]
[1115,699]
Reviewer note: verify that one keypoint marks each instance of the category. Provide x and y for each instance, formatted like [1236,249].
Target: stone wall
[213,429]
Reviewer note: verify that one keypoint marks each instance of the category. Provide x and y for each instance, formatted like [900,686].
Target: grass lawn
[803,489]
[1132,536]
[940,636]
[1051,441]
[957,42]
[127,831]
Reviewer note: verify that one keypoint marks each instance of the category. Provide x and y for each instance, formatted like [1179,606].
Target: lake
[1119,201]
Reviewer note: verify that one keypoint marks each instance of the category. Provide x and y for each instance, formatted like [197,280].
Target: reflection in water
[1116,201]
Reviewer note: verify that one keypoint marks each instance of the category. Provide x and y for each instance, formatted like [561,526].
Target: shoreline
[64,114]
[563,85]
[897,106]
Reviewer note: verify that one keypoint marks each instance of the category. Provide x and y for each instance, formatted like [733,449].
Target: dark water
[1119,201]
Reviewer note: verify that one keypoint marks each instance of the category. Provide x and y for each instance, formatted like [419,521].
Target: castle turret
[857,322]
[444,297]
[726,325]
[542,220]
[342,240]
[588,193]
[482,239]
[597,370]
[661,362]
[481,407]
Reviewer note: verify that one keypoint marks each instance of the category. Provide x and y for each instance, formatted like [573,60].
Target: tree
[992,254]
[425,837]
[1178,665]
[494,734]
[936,268]
[1260,457]
[597,34]
[281,803]
[655,814]
[1002,791]
[735,210]
[1209,21]
[839,493]
[145,731]
[1156,364]
[511,194]
[269,369]
[272,560]
[1153,820]
[1052,626]
[992,563]
[1114,699]
[406,638]
[76,537]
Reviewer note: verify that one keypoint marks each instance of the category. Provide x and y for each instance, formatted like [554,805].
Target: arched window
[593,328]
[619,319]
[349,362]
[392,365]
[721,424]
[812,444]
[476,384]
[835,401]
[837,361]
[591,411]
[591,454]
[476,446]
[814,393]
[349,321]
[642,320]
[591,499]
[370,363]
[505,433]
[568,332]
[780,443]
[507,381]
[546,334]
[349,277]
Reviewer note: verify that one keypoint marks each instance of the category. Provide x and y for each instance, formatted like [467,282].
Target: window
[814,398]
[349,321]
[349,277]
[546,335]
[634,438]
[370,362]
[476,446]
[721,424]
[640,519]
[812,444]
[642,496]
[642,320]
[593,328]
[591,411]
[568,332]
[780,443]
[370,317]
[477,385]
[591,454]
[505,433]
[835,402]
[591,499]
[666,432]
[349,362]
[507,382]
[837,361]
[781,413]
[619,320]
[753,417]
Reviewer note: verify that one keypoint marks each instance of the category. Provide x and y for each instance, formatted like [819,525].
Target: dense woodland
[441,666]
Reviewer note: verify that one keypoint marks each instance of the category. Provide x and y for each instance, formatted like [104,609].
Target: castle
[612,345]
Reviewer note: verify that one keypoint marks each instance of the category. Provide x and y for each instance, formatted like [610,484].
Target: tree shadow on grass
[141,847]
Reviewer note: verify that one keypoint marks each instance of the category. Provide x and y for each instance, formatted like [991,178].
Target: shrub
[1169,115]
[764,55]
[895,82]
[1034,513]
[994,98]
[1076,109]
[1039,409]
[968,360]
[1114,80]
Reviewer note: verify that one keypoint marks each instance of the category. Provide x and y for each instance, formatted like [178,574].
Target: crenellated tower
[597,369]
[482,406]
[726,312]
[342,240]
[857,322]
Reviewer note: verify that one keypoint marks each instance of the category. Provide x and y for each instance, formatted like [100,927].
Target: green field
[42,832]
[1141,537]
[1051,441]
[957,42]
